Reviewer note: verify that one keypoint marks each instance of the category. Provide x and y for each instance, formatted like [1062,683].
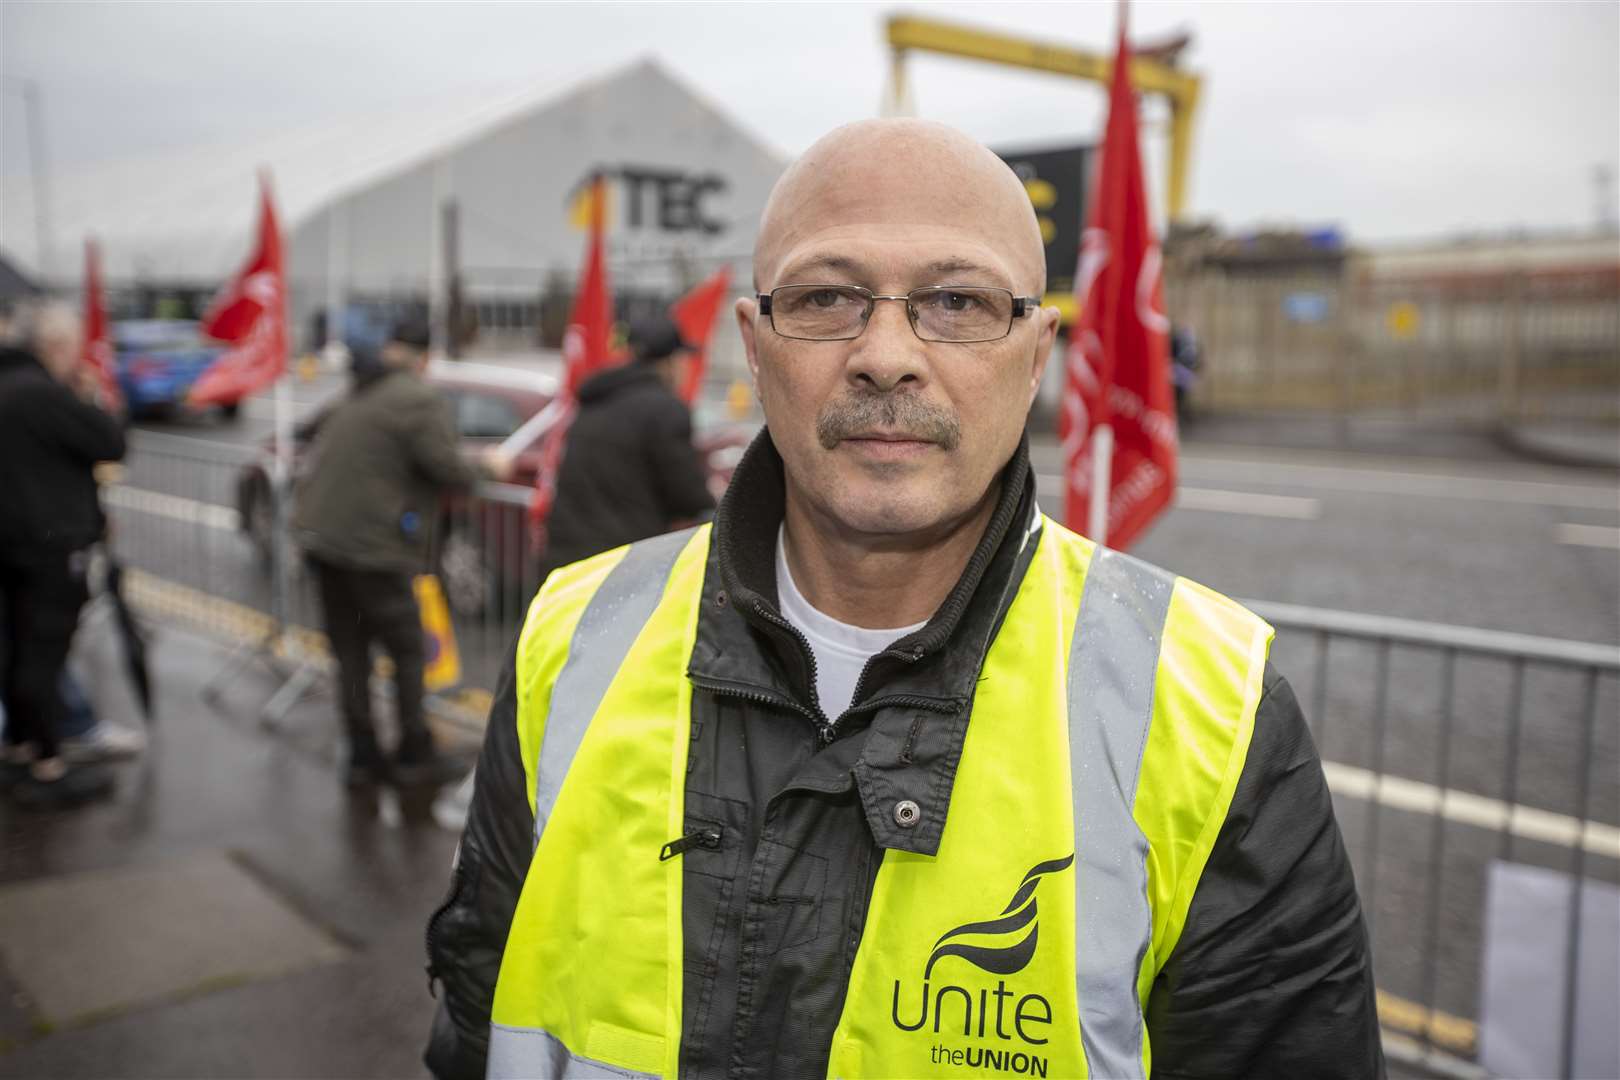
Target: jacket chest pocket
[713,828]
[787,902]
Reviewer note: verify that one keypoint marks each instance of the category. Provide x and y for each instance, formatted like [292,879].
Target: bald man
[886,774]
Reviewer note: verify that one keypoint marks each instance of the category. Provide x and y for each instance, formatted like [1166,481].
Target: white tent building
[363,205]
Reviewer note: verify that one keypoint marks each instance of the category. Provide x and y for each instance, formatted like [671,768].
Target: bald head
[876,180]
[56,340]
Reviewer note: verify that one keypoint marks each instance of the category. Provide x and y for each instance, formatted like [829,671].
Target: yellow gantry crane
[1149,73]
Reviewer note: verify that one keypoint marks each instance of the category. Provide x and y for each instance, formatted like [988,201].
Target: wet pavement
[232,911]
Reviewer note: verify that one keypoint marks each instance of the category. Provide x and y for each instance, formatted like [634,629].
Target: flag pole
[1102,471]
[282,497]
[337,241]
[283,428]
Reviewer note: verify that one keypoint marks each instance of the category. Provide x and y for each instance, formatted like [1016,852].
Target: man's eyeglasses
[957,313]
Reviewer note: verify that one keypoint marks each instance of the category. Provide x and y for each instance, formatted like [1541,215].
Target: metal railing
[1447,749]
[1490,747]
[205,534]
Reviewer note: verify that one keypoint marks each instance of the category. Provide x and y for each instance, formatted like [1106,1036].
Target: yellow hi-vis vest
[1109,727]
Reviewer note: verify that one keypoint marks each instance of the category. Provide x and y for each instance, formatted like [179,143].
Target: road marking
[1453,1032]
[1598,536]
[1424,485]
[457,716]
[190,448]
[176,507]
[1466,808]
[1248,502]
[1428,1059]
[1217,501]
[264,408]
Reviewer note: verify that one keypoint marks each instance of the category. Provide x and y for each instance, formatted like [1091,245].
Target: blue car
[159,359]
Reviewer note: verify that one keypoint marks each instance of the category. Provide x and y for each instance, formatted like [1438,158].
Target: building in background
[487,221]
[418,207]
[1489,328]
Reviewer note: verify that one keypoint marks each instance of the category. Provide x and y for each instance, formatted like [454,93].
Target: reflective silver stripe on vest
[534,1054]
[612,620]
[1112,664]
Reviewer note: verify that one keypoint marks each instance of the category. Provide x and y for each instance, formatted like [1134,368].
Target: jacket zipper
[456,881]
[706,837]
[826,730]
[909,702]
[758,697]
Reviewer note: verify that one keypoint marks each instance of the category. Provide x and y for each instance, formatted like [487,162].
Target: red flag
[695,314]
[586,350]
[1118,406]
[251,313]
[590,325]
[98,350]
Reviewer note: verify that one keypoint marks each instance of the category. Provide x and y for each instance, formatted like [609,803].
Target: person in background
[629,470]
[51,436]
[86,737]
[365,512]
[82,736]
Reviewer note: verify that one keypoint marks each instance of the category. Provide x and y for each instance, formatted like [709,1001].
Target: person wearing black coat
[629,470]
[51,436]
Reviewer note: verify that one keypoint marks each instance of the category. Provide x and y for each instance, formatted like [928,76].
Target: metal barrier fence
[199,525]
[1448,750]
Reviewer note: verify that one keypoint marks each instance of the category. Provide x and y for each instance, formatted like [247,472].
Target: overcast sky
[1392,120]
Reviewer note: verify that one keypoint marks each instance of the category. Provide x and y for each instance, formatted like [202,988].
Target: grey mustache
[903,413]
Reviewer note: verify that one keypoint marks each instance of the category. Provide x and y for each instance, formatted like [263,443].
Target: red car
[483,541]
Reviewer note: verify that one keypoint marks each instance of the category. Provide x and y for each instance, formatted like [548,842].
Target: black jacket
[49,441]
[1271,976]
[628,471]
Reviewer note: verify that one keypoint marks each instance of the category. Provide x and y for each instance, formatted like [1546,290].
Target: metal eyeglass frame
[1022,306]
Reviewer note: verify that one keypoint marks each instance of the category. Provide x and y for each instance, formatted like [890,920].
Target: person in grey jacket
[364,516]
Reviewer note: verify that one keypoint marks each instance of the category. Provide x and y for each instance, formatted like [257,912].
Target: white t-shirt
[841,650]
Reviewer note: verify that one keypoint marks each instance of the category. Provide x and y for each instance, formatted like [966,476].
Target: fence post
[1344,375]
[1271,301]
[1437,843]
[1577,881]
[1510,374]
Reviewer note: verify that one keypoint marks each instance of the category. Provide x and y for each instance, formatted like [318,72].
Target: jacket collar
[610,381]
[750,516]
[912,705]
[14,359]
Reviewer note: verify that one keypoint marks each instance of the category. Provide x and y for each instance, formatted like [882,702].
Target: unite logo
[985,1012]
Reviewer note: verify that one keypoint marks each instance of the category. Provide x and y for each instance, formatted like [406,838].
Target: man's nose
[888,353]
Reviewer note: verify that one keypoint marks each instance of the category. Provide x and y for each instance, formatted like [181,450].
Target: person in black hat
[629,470]
[364,515]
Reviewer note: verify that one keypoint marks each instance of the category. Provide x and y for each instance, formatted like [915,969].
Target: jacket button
[907,813]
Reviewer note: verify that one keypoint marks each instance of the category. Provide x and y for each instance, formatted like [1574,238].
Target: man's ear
[747,312]
[1051,319]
